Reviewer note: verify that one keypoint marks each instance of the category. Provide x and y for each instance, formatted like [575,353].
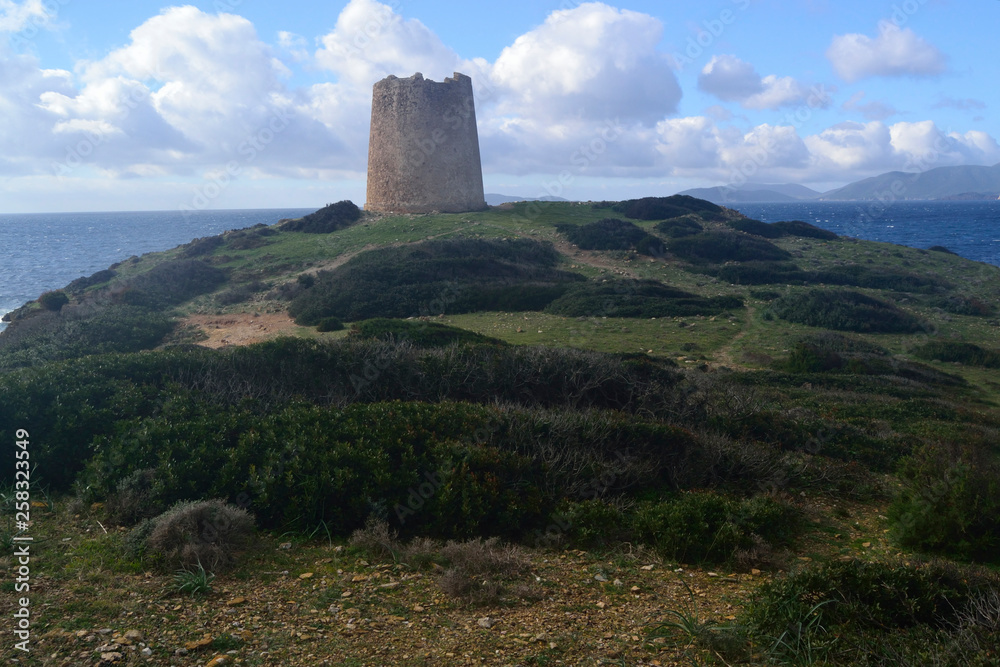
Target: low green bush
[953,351]
[804,229]
[725,247]
[844,310]
[781,229]
[97,278]
[436,277]
[637,298]
[950,502]
[53,301]
[76,332]
[419,333]
[330,218]
[329,324]
[606,234]
[170,283]
[836,612]
[202,246]
[701,527]
[685,225]
[662,208]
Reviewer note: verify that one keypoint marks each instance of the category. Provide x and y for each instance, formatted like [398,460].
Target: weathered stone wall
[424,150]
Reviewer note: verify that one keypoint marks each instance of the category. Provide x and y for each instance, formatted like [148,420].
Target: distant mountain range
[496,200]
[951,183]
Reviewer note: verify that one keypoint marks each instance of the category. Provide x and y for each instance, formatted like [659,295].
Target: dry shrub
[134,499]
[478,572]
[481,571]
[206,532]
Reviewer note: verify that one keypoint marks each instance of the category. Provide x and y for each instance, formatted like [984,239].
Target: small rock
[218,661]
[199,643]
[600,577]
[866,545]
[486,622]
[134,635]
[619,582]
[602,605]
[181,651]
[647,568]
[755,572]
[111,657]
[147,652]
[104,631]
[394,584]
[418,607]
[285,545]
[635,589]
[236,602]
[306,575]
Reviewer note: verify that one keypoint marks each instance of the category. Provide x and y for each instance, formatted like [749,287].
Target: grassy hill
[639,394]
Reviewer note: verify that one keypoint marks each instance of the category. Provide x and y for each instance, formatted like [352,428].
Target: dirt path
[241,328]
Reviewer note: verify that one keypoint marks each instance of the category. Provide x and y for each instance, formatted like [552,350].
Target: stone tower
[423,155]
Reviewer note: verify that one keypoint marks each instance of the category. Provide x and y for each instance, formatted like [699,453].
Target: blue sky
[247,104]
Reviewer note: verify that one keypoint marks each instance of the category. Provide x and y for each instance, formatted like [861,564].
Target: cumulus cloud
[593,62]
[894,52]
[18,16]
[734,80]
[371,41]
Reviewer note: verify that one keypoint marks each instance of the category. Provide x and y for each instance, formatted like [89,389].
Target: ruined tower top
[423,155]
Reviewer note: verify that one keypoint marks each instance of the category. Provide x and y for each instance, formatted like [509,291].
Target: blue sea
[46,251]
[969,228]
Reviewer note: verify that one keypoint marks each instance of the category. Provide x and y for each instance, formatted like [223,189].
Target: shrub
[759,273]
[136,498]
[329,324]
[950,502]
[478,572]
[419,333]
[202,246]
[240,293]
[606,234]
[435,277]
[662,208]
[708,527]
[328,219]
[756,227]
[845,310]
[201,533]
[170,283]
[725,247]
[804,229]
[963,353]
[97,278]
[685,225]
[82,331]
[53,301]
[637,298]
[959,304]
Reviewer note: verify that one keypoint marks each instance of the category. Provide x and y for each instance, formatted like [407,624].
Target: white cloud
[895,52]
[371,41]
[734,80]
[593,62]
[18,16]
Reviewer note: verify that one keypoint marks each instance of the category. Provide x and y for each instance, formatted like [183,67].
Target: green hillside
[707,389]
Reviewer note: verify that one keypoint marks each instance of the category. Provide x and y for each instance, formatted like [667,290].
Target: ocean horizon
[46,251]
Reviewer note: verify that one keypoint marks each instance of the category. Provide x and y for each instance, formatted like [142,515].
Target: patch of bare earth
[241,328]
